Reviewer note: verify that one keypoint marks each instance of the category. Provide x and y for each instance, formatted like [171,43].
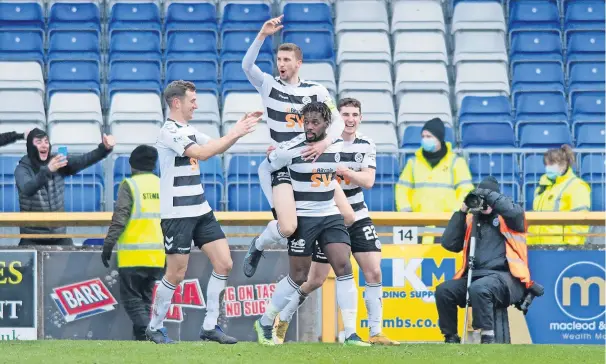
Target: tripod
[470,265]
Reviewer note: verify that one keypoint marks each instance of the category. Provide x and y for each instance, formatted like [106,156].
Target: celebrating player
[356,171]
[283,97]
[318,219]
[185,213]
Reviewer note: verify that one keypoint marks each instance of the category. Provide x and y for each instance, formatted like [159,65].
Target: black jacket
[10,138]
[44,191]
[490,250]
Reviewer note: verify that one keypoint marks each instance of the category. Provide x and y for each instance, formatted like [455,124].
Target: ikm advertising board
[572,309]
[82,298]
[410,276]
[18,305]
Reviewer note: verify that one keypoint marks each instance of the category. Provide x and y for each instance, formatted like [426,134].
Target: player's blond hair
[177,89]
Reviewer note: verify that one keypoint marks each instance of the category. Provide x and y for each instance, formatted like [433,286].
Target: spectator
[435,179]
[39,177]
[560,190]
[11,137]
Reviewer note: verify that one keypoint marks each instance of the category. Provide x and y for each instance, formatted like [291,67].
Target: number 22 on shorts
[405,234]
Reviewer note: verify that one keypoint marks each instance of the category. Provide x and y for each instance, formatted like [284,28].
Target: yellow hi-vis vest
[141,242]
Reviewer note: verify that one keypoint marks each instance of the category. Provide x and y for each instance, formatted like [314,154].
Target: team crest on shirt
[337,157]
[378,243]
[306,100]
[495,222]
[358,157]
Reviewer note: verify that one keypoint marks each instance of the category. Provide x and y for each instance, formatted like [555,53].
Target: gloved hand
[106,255]
[482,192]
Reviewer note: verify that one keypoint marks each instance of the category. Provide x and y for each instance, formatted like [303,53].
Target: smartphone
[63,151]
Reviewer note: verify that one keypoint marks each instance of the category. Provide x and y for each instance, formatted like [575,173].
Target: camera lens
[473,201]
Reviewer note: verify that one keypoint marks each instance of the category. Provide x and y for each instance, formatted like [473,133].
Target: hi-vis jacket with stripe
[567,193]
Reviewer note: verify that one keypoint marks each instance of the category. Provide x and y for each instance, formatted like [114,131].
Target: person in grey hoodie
[40,181]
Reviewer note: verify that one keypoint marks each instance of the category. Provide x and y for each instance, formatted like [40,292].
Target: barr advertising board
[82,298]
[18,284]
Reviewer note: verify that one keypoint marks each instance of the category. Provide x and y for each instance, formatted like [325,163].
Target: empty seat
[584,15]
[481,79]
[245,16]
[135,118]
[532,77]
[535,46]
[479,46]
[586,76]
[488,111]
[527,15]
[135,45]
[134,16]
[81,16]
[381,196]
[587,107]
[8,190]
[235,43]
[307,16]
[84,190]
[255,142]
[419,46]
[21,75]
[533,167]
[383,134]
[364,46]
[213,182]
[411,136]
[244,191]
[418,107]
[317,46]
[21,110]
[134,76]
[236,104]
[485,135]
[233,77]
[185,45]
[421,76]
[541,107]
[417,15]
[503,166]
[22,46]
[74,45]
[22,15]
[365,76]
[190,16]
[593,171]
[590,136]
[376,106]
[321,73]
[73,76]
[486,15]
[202,73]
[544,135]
[357,15]
[72,114]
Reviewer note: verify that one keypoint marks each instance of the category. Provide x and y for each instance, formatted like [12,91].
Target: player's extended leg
[299,270]
[317,275]
[286,215]
[370,264]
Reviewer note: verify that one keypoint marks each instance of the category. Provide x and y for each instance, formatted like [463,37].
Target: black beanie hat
[143,158]
[436,127]
[490,183]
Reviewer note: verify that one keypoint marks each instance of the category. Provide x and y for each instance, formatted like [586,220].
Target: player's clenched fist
[272,26]
[247,123]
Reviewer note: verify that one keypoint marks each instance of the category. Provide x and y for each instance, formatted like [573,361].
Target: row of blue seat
[240,185]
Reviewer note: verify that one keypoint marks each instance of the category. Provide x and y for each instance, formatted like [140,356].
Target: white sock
[164,296]
[270,235]
[487,332]
[347,299]
[296,300]
[216,285]
[284,289]
[374,306]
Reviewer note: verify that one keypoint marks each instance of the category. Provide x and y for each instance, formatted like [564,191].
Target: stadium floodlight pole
[470,264]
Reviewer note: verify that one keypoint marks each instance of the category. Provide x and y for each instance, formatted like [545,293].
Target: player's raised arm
[245,125]
[252,71]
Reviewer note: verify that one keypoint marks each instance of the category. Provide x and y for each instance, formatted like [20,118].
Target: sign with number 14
[405,235]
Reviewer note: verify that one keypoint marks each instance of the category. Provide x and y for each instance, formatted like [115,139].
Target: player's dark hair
[177,89]
[318,107]
[350,101]
[291,47]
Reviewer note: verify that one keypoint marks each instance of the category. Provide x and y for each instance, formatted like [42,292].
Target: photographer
[500,274]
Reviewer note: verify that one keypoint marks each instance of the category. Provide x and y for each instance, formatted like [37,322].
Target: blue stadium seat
[593,171]
[381,196]
[586,76]
[21,16]
[317,46]
[195,45]
[211,174]
[485,109]
[134,16]
[74,16]
[533,15]
[542,135]
[584,15]
[135,76]
[590,136]
[9,195]
[122,170]
[190,17]
[236,43]
[22,46]
[84,191]
[73,76]
[533,77]
[309,16]
[504,166]
[74,45]
[584,46]
[537,46]
[234,79]
[533,168]
[412,136]
[202,73]
[244,16]
[243,188]
[587,107]
[135,45]
[487,135]
[541,107]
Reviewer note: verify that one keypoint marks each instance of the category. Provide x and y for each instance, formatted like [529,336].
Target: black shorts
[315,232]
[364,237]
[280,176]
[179,233]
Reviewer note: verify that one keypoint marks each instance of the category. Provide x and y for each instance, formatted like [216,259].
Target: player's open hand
[109,141]
[270,149]
[342,170]
[247,123]
[272,26]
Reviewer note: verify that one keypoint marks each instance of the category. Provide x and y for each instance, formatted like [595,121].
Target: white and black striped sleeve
[171,139]
[370,158]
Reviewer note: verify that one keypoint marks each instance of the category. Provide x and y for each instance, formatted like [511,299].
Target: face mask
[429,145]
[552,172]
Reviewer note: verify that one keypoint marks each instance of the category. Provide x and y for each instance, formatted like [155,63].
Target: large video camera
[475,202]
